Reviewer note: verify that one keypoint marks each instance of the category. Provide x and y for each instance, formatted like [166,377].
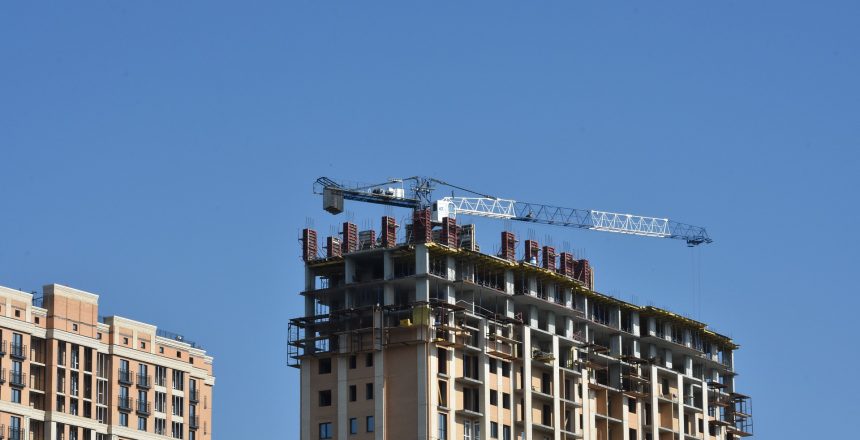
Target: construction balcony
[123,403]
[18,352]
[193,422]
[17,379]
[144,381]
[142,407]
[125,377]
[194,395]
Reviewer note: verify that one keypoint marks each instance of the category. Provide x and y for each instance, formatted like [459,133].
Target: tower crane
[392,193]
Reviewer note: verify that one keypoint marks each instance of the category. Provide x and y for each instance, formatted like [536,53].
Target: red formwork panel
[350,238]
[532,251]
[548,257]
[309,244]
[389,232]
[509,246]
[422,228]
[449,232]
[332,247]
[565,264]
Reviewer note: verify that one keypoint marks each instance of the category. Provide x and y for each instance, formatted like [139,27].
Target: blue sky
[162,154]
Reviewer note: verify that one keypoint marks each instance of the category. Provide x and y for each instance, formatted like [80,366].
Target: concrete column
[343,397]
[652,327]
[587,416]
[568,327]
[305,372]
[422,267]
[550,322]
[485,377]
[388,274]
[558,417]
[509,283]
[615,345]
[634,319]
[534,316]
[451,266]
[379,393]
[625,423]
[688,365]
[667,358]
[526,382]
[348,270]
[655,416]
[680,403]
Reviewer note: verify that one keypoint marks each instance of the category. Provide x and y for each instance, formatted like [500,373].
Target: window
[353,425]
[506,401]
[352,362]
[631,406]
[353,393]
[470,366]
[177,429]
[178,380]
[494,398]
[142,344]
[443,426]
[368,360]
[325,398]
[141,423]
[16,395]
[123,419]
[442,360]
[125,341]
[325,430]
[178,407]
[443,393]
[471,399]
[368,391]
[506,432]
[160,375]
[325,366]
[506,369]
[370,424]
[160,401]
[74,327]
[494,430]
[493,365]
[160,426]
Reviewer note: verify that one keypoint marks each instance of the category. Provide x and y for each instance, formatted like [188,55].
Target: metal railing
[143,407]
[123,403]
[143,381]
[17,379]
[18,351]
[194,395]
[125,377]
[193,422]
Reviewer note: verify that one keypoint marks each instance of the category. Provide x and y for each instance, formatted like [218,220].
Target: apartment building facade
[68,374]
[431,339]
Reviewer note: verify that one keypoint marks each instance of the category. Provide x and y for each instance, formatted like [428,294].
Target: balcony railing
[143,381]
[193,422]
[17,379]
[194,396]
[18,351]
[3,348]
[123,403]
[125,377]
[142,407]
[16,434]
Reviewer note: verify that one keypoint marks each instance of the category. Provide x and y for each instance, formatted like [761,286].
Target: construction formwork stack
[389,232]
[350,238]
[548,258]
[422,228]
[309,244]
[509,246]
[333,248]
[532,251]
[565,264]
[449,232]
[582,272]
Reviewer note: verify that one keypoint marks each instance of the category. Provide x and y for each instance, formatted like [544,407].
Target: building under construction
[426,337]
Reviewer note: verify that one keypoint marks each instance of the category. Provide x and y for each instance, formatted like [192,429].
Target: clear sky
[161,154]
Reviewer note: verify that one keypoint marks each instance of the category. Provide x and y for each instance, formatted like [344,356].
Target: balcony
[16,434]
[18,351]
[17,379]
[143,408]
[124,403]
[3,348]
[143,381]
[125,377]
[193,422]
[194,396]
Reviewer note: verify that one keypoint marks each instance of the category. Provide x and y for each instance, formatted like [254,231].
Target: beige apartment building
[68,374]
[427,337]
